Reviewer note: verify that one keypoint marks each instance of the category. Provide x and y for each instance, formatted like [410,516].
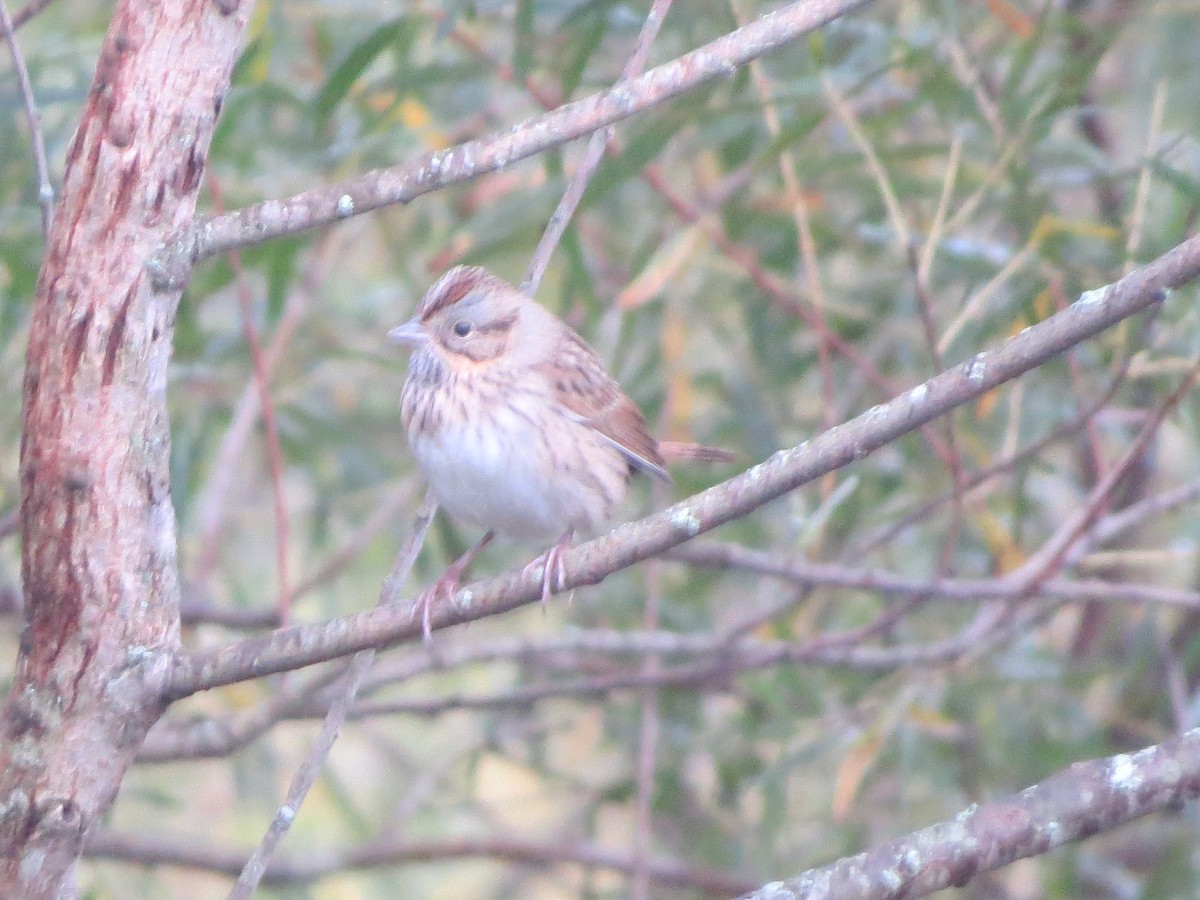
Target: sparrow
[516,424]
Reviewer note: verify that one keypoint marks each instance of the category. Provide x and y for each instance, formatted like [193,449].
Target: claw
[446,585]
[553,566]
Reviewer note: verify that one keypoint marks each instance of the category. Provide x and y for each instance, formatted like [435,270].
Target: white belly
[503,479]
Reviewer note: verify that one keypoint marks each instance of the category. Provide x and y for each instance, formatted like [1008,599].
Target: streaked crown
[456,284]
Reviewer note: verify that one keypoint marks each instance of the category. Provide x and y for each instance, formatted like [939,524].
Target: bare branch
[433,171]
[965,590]
[591,157]
[150,851]
[28,11]
[306,775]
[40,166]
[783,472]
[1086,798]
[169,741]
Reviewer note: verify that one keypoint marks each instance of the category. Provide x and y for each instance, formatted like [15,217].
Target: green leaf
[398,33]
[588,25]
[523,40]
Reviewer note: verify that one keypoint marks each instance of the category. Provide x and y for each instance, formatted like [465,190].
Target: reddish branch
[98,526]
[262,381]
[27,12]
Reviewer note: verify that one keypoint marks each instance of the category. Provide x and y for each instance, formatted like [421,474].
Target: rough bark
[98,525]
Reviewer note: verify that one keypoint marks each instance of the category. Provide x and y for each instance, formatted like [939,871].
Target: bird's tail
[680,451]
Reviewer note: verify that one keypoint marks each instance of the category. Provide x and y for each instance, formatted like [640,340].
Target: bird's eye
[462,327]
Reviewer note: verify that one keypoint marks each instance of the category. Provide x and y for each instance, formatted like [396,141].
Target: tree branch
[98,527]
[147,851]
[40,166]
[785,471]
[1086,798]
[436,170]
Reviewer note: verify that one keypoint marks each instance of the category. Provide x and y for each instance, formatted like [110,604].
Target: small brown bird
[515,422]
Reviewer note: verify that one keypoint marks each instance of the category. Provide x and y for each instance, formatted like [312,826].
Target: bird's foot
[446,586]
[553,568]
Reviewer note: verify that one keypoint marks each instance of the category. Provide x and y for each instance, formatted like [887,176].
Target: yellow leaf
[1007,554]
[852,771]
[661,269]
[679,378]
[257,28]
[1019,22]
[380,102]
[1049,225]
[414,114]
[985,404]
[1043,307]
[934,722]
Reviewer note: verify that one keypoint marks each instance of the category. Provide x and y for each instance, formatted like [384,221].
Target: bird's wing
[580,384]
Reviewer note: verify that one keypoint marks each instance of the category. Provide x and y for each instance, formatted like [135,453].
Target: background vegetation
[764,258]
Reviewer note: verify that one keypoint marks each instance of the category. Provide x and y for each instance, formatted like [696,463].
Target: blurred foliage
[1074,129]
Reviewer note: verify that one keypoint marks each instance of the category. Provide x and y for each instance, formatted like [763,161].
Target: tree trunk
[98,560]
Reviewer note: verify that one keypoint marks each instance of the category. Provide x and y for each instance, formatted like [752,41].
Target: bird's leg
[552,565]
[446,584]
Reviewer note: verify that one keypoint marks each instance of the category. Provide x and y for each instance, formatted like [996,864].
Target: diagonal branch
[436,170]
[590,563]
[1076,803]
[599,142]
[40,166]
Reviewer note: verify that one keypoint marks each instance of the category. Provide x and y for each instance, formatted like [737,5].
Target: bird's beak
[411,334]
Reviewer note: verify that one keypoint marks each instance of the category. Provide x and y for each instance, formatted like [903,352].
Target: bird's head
[467,318]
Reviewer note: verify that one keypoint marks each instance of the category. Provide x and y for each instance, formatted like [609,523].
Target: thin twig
[999,173]
[965,70]
[306,775]
[392,502]
[1137,217]
[845,114]
[41,167]
[170,741]
[963,590]
[301,870]
[591,157]
[215,492]
[1054,551]
[28,11]
[1115,524]
[262,381]
[921,263]
[977,303]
